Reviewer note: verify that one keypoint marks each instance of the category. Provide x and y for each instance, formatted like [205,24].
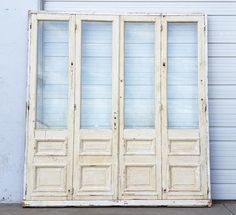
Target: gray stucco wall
[13,74]
[222,82]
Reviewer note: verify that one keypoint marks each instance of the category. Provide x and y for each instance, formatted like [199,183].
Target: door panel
[50,140]
[140,146]
[96,135]
[184,110]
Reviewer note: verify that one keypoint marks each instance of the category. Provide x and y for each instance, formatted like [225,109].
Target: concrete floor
[223,208]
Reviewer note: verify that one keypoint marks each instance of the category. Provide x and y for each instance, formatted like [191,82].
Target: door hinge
[164,190]
[115,120]
[160,106]
[30,26]
[27,106]
[161,27]
[76,26]
[25,189]
[205,108]
[71,191]
[74,107]
[204,28]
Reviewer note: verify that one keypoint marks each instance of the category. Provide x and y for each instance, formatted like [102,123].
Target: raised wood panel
[95,178]
[184,147]
[95,147]
[51,147]
[140,146]
[140,178]
[184,178]
[50,178]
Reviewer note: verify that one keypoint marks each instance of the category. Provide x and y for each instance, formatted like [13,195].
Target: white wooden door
[95,173]
[117,109]
[184,115]
[140,129]
[50,108]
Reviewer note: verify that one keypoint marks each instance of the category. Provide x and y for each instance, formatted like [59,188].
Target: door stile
[164,102]
[72,105]
[115,103]
[31,103]
[158,106]
[121,105]
[77,95]
[203,105]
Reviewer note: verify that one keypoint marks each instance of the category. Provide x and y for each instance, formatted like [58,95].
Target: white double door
[117,153]
[98,129]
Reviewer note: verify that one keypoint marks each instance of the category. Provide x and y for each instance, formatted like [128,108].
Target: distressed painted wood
[95,173]
[137,203]
[139,158]
[49,152]
[185,170]
[120,165]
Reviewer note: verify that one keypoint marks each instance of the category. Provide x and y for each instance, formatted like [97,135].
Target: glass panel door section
[184,97]
[96,119]
[139,67]
[52,74]
[182,75]
[140,152]
[50,114]
[96,77]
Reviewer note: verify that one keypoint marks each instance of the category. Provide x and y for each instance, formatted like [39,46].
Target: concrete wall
[13,74]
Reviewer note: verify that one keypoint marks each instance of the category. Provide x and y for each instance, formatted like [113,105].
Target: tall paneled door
[117,111]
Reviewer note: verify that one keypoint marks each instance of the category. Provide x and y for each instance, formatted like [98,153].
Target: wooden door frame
[30,107]
[202,100]
[157,127]
[31,101]
[115,109]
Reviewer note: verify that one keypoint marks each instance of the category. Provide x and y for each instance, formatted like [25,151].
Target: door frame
[179,159]
[128,134]
[34,135]
[81,134]
[60,203]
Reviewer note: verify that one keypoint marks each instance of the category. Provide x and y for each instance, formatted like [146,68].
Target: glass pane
[139,75]
[182,75]
[96,96]
[52,74]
